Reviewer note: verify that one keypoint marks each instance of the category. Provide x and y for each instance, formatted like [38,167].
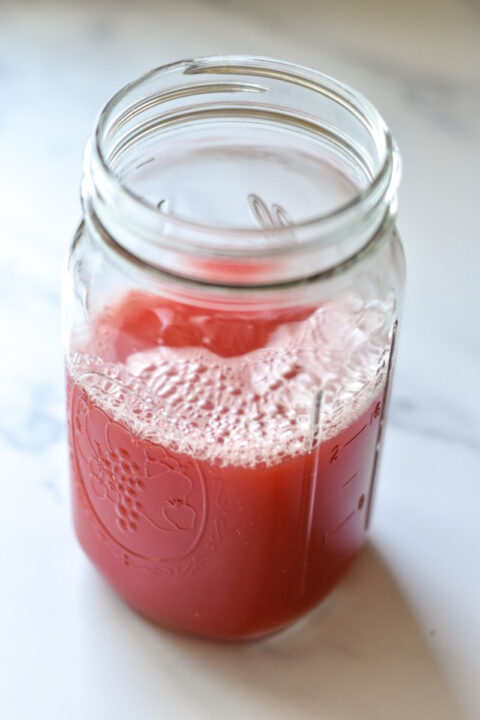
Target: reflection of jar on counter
[231,305]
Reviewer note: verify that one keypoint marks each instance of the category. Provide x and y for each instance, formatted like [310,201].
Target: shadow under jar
[231,302]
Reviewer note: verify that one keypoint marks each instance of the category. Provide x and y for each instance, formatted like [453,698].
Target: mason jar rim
[292,72]
[104,185]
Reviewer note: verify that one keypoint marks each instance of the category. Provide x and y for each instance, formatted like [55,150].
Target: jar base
[254,632]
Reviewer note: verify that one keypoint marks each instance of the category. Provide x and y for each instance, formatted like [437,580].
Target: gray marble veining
[436,419]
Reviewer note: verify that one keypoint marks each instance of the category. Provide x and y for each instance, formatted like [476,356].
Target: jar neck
[316,116]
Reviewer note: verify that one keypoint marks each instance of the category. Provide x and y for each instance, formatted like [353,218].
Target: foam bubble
[251,409]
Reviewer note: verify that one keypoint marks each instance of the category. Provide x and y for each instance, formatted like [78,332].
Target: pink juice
[207,488]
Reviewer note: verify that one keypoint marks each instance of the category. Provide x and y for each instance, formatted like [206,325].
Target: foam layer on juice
[254,408]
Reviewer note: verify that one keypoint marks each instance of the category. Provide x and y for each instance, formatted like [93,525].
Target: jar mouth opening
[386,176]
[304,105]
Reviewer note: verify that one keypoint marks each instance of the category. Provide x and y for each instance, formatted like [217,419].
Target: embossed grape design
[119,476]
[149,500]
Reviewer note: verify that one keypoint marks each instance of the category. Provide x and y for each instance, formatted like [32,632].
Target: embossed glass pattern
[231,304]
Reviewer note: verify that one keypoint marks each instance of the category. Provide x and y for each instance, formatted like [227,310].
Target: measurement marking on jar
[335,454]
[144,162]
[375,412]
[344,522]
[347,482]
[381,424]
[356,435]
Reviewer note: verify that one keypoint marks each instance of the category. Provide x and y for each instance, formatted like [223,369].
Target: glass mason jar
[231,302]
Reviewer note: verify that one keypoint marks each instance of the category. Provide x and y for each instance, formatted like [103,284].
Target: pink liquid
[225,551]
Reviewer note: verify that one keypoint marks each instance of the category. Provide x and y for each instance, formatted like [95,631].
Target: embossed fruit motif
[150,501]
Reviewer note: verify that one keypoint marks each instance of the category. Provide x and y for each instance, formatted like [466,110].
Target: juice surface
[223,532]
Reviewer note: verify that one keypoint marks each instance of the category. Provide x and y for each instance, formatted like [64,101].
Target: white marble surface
[400,638]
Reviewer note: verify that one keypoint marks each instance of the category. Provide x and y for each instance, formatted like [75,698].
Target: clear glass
[231,304]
